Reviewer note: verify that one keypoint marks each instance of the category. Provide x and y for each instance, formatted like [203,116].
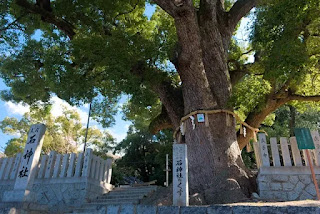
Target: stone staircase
[118,196]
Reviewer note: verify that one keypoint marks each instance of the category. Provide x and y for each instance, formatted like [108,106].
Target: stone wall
[5,185]
[61,194]
[284,172]
[286,183]
[58,181]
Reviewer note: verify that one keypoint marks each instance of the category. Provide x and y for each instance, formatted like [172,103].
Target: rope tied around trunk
[243,125]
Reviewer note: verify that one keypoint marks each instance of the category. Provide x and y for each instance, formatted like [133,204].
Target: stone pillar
[57,166]
[98,164]
[109,170]
[71,167]
[28,166]
[180,175]
[316,151]
[16,166]
[78,170]
[43,166]
[50,165]
[3,167]
[102,166]
[64,167]
[8,169]
[87,163]
[264,154]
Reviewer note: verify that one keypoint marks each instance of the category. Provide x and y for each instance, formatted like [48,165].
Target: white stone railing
[55,166]
[9,167]
[285,154]
[284,173]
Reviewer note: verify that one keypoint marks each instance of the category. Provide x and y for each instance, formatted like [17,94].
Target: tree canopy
[114,48]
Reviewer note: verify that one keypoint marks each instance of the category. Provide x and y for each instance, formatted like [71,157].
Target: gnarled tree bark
[216,169]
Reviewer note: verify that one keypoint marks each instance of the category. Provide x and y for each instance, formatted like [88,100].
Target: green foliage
[248,94]
[249,159]
[144,156]
[116,50]
[283,36]
[284,39]
[307,116]
[111,37]
[64,133]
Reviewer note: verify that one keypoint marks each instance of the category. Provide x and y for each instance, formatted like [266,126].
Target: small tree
[144,155]
[64,133]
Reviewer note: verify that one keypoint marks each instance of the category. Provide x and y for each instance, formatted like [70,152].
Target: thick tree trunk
[216,169]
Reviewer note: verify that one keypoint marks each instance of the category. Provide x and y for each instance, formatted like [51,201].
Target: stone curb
[216,209]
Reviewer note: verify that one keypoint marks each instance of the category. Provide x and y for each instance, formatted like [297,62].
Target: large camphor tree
[184,56]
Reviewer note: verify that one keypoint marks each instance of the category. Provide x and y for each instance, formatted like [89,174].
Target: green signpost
[304,138]
[305,141]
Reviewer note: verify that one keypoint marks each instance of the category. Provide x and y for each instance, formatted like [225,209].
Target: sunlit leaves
[281,37]
[249,94]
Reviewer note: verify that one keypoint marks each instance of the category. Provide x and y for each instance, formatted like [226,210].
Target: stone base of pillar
[23,207]
[18,196]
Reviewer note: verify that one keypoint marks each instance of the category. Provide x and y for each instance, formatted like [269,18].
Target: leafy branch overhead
[54,65]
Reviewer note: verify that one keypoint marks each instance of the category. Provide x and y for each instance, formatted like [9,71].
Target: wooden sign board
[304,138]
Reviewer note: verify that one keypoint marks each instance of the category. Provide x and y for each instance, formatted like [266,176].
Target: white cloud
[118,135]
[119,131]
[57,107]
[86,106]
[16,109]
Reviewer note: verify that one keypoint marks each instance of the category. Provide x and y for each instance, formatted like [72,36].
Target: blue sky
[9,109]
[3,113]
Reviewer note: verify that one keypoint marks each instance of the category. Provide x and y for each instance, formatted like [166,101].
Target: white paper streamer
[182,128]
[192,121]
[244,131]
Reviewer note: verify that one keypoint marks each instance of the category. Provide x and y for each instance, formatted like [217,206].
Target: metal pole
[85,138]
[167,170]
[313,174]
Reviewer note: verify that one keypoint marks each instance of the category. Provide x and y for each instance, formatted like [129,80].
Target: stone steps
[115,195]
[119,196]
[134,189]
[114,201]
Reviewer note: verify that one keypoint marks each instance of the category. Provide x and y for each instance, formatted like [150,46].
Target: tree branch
[162,121]
[166,5]
[273,102]
[172,100]
[48,17]
[239,10]
[174,7]
[170,96]
[124,13]
[304,98]
[13,23]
